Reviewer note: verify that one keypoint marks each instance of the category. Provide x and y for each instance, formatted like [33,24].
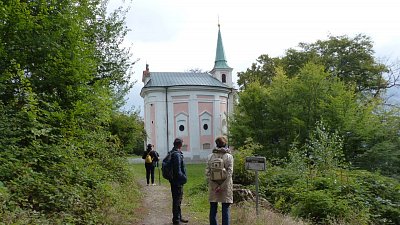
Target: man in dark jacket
[179,179]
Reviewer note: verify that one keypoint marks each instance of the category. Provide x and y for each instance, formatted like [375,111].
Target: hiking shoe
[153,184]
[184,221]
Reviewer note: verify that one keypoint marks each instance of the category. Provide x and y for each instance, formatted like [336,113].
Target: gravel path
[157,202]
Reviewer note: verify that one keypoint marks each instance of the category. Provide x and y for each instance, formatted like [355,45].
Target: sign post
[257,164]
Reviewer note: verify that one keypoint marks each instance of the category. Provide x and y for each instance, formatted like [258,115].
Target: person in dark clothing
[150,157]
[179,179]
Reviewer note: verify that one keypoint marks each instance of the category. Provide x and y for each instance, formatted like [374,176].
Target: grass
[123,205]
[196,193]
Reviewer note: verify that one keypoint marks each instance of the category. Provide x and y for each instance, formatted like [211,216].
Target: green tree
[349,59]
[263,71]
[129,128]
[62,74]
[286,111]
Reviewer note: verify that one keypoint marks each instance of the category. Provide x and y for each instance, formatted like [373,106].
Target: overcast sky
[178,35]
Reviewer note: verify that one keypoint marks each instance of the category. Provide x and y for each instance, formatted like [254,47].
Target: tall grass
[122,206]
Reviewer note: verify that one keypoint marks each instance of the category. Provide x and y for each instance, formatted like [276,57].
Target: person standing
[150,157]
[219,170]
[179,178]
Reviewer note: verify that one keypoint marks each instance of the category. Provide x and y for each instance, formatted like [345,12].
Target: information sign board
[256,163]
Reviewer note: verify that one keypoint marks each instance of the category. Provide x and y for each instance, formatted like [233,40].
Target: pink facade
[206,109]
[181,123]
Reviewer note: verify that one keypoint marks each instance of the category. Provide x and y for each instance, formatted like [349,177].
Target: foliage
[349,59]
[240,174]
[129,128]
[286,110]
[263,72]
[321,189]
[62,72]
[322,153]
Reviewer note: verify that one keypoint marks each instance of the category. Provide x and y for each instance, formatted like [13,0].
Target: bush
[320,206]
[240,174]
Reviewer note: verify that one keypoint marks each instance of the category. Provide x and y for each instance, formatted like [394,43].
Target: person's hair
[178,142]
[221,141]
[149,147]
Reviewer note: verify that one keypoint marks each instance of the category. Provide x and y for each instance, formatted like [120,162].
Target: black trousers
[177,194]
[149,172]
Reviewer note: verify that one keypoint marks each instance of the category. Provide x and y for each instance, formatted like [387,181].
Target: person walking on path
[179,178]
[150,157]
[219,170]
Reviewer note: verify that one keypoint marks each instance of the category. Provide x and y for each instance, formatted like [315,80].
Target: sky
[178,35]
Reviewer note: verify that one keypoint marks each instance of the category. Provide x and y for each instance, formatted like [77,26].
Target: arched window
[181,125]
[223,78]
[205,123]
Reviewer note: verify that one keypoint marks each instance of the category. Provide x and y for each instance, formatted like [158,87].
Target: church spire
[220,61]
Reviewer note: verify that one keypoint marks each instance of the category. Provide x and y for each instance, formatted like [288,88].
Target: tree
[286,111]
[349,59]
[129,128]
[263,71]
[62,73]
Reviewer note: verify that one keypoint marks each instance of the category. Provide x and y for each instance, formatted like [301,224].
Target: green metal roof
[220,61]
[168,79]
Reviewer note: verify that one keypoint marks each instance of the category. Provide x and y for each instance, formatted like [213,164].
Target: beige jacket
[225,192]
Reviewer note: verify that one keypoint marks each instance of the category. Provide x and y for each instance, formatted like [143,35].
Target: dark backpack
[167,170]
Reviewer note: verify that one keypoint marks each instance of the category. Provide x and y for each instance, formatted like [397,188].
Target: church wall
[206,125]
[189,108]
[155,122]
[182,124]
[152,121]
[223,114]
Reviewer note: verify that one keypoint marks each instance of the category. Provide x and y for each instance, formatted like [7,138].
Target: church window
[205,123]
[182,125]
[223,78]
[206,146]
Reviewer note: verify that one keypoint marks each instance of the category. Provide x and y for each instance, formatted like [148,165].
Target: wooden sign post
[256,163]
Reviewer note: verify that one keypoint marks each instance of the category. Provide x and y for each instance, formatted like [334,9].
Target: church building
[192,106]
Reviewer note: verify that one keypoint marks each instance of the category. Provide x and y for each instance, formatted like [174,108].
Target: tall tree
[286,111]
[349,59]
[263,71]
[62,73]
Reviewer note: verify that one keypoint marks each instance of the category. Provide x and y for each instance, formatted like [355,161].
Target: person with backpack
[150,157]
[219,170]
[174,170]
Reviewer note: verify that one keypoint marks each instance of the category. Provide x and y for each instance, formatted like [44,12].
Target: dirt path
[157,205]
[157,202]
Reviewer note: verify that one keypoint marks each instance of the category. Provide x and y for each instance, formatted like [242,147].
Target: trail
[157,204]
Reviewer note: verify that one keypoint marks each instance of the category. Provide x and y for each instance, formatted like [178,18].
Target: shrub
[320,206]
[240,174]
